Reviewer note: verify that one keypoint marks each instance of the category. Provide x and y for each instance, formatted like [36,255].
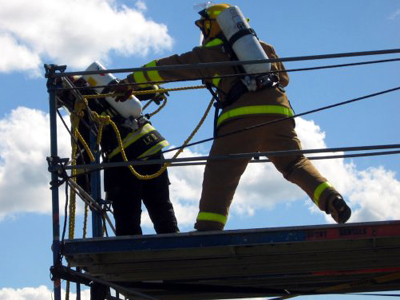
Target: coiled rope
[106,120]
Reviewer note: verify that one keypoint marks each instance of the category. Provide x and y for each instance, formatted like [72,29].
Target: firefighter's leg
[125,193]
[221,177]
[300,171]
[157,201]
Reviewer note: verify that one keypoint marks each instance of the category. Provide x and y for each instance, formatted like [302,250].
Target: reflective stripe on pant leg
[295,168]
[207,221]
[254,110]
[319,190]
[207,216]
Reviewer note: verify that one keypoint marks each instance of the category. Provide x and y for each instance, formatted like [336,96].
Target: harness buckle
[130,123]
[265,81]
[135,124]
[256,83]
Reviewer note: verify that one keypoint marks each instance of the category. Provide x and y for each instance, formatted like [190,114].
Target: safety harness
[247,83]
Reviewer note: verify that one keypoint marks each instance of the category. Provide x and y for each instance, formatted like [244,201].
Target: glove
[156,97]
[122,90]
[160,97]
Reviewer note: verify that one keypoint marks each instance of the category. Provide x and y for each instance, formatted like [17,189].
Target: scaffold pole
[52,160]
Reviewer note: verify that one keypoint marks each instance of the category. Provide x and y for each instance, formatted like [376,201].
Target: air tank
[132,107]
[242,39]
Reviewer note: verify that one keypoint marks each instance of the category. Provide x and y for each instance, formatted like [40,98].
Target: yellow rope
[107,120]
[85,145]
[144,92]
[80,106]
[158,109]
[75,119]
[72,203]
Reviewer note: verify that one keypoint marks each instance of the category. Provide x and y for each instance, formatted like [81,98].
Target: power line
[288,118]
[278,71]
[229,63]
[181,161]
[283,119]
[381,153]
[257,126]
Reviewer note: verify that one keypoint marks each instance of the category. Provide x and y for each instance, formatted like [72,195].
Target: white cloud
[374,193]
[36,293]
[24,146]
[16,56]
[140,5]
[74,32]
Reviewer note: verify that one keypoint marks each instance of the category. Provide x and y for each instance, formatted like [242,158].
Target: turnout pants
[221,177]
[127,193]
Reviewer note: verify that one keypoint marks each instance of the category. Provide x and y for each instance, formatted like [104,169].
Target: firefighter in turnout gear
[245,100]
[125,191]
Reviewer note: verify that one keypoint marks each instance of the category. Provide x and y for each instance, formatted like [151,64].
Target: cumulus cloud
[15,55]
[36,293]
[373,193]
[74,32]
[24,146]
[376,195]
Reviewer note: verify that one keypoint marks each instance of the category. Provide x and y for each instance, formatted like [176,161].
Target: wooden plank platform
[347,258]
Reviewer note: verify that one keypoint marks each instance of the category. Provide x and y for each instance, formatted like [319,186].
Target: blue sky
[124,34]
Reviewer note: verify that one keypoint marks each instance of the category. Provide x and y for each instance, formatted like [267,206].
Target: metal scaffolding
[274,262]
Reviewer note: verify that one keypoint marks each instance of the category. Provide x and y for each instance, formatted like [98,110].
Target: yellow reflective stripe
[207,216]
[139,77]
[133,137]
[153,75]
[155,148]
[214,42]
[320,189]
[254,110]
[216,81]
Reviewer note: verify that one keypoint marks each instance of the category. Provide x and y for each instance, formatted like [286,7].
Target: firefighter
[124,190]
[245,100]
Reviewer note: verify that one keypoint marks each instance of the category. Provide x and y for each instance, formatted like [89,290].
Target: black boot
[338,209]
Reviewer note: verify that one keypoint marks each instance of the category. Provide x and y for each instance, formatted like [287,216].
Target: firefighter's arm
[145,79]
[125,88]
[276,66]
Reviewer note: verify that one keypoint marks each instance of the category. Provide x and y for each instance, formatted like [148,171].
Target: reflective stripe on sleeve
[207,216]
[319,190]
[139,77]
[255,110]
[216,79]
[153,75]
[146,76]
[214,42]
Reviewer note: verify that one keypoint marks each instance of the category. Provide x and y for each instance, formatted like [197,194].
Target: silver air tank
[242,39]
[129,108]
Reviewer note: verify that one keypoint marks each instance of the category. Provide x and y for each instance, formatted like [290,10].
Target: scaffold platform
[282,262]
